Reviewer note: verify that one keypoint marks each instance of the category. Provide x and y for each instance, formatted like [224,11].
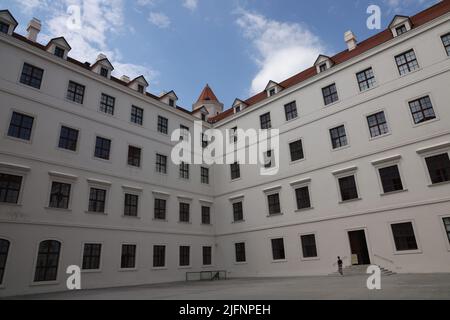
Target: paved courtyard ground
[429,286]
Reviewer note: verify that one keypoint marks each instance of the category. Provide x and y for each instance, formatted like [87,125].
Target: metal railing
[206,275]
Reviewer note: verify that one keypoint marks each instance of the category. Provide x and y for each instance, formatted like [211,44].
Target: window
[159,256]
[4,28]
[204,140]
[278,249]
[272,92]
[404,237]
[102,148]
[330,94]
[291,111]
[266,123]
[446,225]
[422,110]
[303,198]
[171,102]
[233,135]
[91,256]
[338,137]
[238,212]
[207,256]
[235,171]
[137,115]
[59,52]
[203,117]
[390,179]
[97,200]
[161,164]
[184,212]
[128,259]
[184,171]
[348,188]
[104,72]
[309,246]
[20,126]
[269,161]
[377,124]
[163,125]
[68,139]
[184,133]
[205,175]
[131,205]
[366,79]
[4,250]
[323,67]
[206,215]
[446,42]
[240,252]
[160,209]
[401,30]
[107,104]
[439,168]
[75,92]
[140,88]
[47,261]
[10,188]
[31,76]
[134,156]
[184,256]
[274,204]
[407,62]
[60,195]
[296,149]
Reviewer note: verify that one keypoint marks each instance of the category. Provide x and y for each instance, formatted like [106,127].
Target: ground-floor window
[185,256]
[240,252]
[447,227]
[404,237]
[159,256]
[47,261]
[309,246]
[91,256]
[128,259]
[278,249]
[207,256]
[4,250]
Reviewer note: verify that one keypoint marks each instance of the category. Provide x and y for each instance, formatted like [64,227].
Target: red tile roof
[419,19]
[207,95]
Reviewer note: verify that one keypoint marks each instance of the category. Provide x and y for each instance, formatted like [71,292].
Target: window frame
[163,125]
[183,204]
[100,260]
[302,150]
[345,173]
[234,202]
[159,165]
[211,263]
[293,112]
[276,191]
[159,199]
[431,152]
[184,173]
[236,256]
[75,93]
[419,98]
[204,178]
[414,228]
[233,171]
[346,137]
[135,148]
[135,117]
[180,254]
[209,222]
[27,84]
[135,267]
[106,107]
[445,232]
[32,130]
[446,48]
[69,200]
[58,265]
[128,192]
[95,148]
[386,163]
[366,80]
[366,119]
[164,266]
[302,256]
[332,94]
[272,252]
[13,173]
[4,25]
[404,53]
[61,126]
[265,124]
[101,186]
[4,269]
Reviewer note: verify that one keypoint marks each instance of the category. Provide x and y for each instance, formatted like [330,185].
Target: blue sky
[236,46]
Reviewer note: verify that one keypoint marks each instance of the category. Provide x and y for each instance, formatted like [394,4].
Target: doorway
[358,246]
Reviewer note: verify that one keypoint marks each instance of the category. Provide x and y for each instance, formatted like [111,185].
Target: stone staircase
[361,270]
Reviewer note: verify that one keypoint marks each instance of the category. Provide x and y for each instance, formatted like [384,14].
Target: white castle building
[86,177]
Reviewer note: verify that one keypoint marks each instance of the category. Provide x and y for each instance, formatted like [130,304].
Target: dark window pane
[20,126]
[266,123]
[330,94]
[377,124]
[184,212]
[366,79]
[205,175]
[235,171]
[240,252]
[134,156]
[401,30]
[102,148]
[446,42]
[439,168]
[60,195]
[75,92]
[184,171]
[348,188]
[274,204]
[309,246]
[137,115]
[206,215]
[390,179]
[207,256]
[303,199]
[278,249]
[159,256]
[238,212]
[47,261]
[296,149]
[338,137]
[407,62]
[161,164]
[163,125]
[131,205]
[31,76]
[185,256]
[404,237]
[68,139]
[291,111]
[10,188]
[4,28]
[107,104]
[91,256]
[4,250]
[97,200]
[160,209]
[128,259]
[422,110]
[447,227]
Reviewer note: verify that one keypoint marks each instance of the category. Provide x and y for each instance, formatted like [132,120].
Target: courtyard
[402,287]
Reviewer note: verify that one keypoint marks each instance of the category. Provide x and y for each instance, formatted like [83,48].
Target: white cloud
[190,4]
[159,19]
[397,6]
[100,19]
[281,49]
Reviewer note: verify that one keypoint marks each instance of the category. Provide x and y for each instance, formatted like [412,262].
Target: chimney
[101,56]
[125,79]
[351,41]
[34,27]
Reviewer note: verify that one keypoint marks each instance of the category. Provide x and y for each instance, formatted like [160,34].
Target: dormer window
[272,92]
[239,105]
[401,30]
[323,67]
[203,117]
[323,63]
[171,102]
[104,72]
[59,52]
[237,109]
[273,88]
[4,28]
[140,88]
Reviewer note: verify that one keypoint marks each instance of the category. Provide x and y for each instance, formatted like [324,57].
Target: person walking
[340,263]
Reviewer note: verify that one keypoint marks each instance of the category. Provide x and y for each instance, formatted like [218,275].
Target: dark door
[358,245]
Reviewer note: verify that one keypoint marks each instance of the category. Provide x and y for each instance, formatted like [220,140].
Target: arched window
[4,249]
[47,261]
